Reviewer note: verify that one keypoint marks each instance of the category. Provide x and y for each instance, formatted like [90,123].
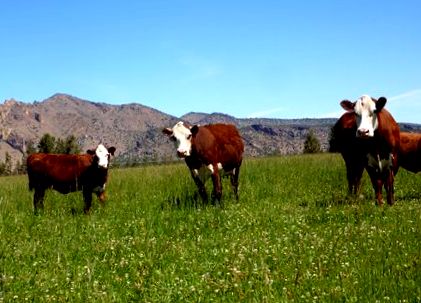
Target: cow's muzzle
[182,154]
[363,133]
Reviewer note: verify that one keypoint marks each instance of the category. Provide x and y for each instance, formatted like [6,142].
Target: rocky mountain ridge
[136,130]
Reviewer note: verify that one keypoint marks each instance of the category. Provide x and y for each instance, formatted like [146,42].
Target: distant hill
[136,130]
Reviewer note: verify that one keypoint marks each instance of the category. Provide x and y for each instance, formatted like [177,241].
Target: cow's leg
[354,176]
[200,185]
[101,197]
[39,195]
[216,180]
[378,187]
[377,182]
[87,198]
[379,194]
[390,191]
[234,181]
[393,170]
[350,178]
[354,173]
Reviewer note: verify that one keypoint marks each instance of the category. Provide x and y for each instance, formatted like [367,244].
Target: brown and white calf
[69,173]
[209,149]
[378,136]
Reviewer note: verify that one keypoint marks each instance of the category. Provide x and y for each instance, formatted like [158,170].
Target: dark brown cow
[209,148]
[410,151]
[69,173]
[378,137]
[353,150]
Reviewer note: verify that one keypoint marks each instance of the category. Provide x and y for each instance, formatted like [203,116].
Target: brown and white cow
[381,135]
[410,151]
[69,173]
[209,149]
[352,150]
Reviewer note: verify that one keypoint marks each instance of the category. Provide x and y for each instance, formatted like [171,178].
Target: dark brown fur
[353,151]
[65,174]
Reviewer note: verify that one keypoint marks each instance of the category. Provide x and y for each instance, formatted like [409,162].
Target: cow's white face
[103,156]
[365,109]
[182,137]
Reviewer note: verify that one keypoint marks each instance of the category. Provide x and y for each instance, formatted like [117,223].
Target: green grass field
[294,236]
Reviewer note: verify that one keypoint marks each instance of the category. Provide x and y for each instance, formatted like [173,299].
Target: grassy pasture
[294,236]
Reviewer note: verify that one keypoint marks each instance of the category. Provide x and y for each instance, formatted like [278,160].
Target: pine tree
[60,147]
[47,144]
[30,148]
[333,141]
[71,145]
[311,144]
[21,165]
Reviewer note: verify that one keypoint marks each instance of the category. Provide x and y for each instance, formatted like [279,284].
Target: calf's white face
[182,135]
[103,156]
[365,109]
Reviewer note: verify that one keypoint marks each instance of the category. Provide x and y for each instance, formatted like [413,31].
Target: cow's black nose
[363,132]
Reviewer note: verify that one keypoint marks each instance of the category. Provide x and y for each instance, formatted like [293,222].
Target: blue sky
[282,59]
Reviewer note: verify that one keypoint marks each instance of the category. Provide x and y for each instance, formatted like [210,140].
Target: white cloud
[409,97]
[405,107]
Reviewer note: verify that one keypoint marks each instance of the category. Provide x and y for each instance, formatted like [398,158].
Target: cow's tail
[31,185]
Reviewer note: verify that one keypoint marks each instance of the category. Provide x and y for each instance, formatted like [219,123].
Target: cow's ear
[348,105]
[90,152]
[167,131]
[194,129]
[111,150]
[380,103]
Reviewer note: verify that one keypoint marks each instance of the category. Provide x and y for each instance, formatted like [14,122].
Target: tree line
[69,145]
[47,144]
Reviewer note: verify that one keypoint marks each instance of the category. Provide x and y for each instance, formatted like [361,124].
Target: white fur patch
[182,134]
[380,164]
[205,172]
[103,156]
[367,123]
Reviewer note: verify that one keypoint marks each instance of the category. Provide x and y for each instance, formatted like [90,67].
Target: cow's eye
[172,138]
[188,137]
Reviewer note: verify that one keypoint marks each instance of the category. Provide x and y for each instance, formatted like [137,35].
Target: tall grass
[294,236]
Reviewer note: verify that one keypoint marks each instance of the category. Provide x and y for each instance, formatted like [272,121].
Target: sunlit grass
[294,236]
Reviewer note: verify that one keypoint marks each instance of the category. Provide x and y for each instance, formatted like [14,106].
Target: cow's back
[220,143]
[343,133]
[56,169]
[344,140]
[410,151]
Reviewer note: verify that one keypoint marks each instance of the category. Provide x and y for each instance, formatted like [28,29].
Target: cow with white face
[365,109]
[381,136]
[102,155]
[209,149]
[69,173]
[182,135]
